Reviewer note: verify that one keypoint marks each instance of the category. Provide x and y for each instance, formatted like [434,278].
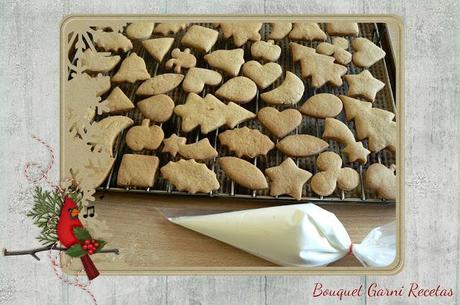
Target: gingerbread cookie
[229,61]
[190,176]
[289,92]
[116,102]
[108,130]
[137,171]
[200,38]
[197,78]
[144,136]
[266,50]
[322,105]
[210,113]
[181,59]
[158,47]
[243,173]
[262,75]
[98,61]
[337,49]
[287,178]
[160,84]
[140,30]
[241,31]
[246,142]
[331,174]
[342,29]
[364,85]
[112,41]
[307,31]
[366,53]
[169,28]
[382,180]
[322,70]
[279,123]
[338,131]
[201,150]
[131,70]
[238,89]
[158,108]
[298,51]
[280,30]
[375,124]
[301,145]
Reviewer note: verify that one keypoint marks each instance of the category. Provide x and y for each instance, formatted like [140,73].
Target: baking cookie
[116,102]
[289,92]
[201,150]
[158,108]
[262,75]
[266,50]
[322,70]
[108,130]
[299,51]
[336,49]
[200,38]
[169,28]
[112,41]
[243,173]
[301,145]
[160,84]
[98,61]
[287,178]
[342,29]
[331,174]
[280,30]
[196,78]
[137,170]
[338,131]
[229,61]
[322,105]
[140,30]
[241,31]
[307,31]
[181,59]
[246,142]
[158,47]
[364,85]
[144,136]
[190,176]
[240,90]
[366,53]
[375,124]
[382,180]
[279,123]
[210,113]
[131,70]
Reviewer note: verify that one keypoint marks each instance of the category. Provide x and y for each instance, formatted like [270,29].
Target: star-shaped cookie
[307,31]
[287,178]
[241,32]
[364,85]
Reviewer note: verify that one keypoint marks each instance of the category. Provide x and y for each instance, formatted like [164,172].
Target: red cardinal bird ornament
[76,238]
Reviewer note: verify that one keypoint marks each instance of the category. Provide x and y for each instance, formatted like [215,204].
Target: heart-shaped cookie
[239,89]
[366,52]
[262,75]
[144,136]
[196,78]
[279,123]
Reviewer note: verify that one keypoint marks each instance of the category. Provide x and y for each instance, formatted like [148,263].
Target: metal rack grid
[309,125]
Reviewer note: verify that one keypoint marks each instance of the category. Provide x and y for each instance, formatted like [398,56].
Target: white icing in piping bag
[303,235]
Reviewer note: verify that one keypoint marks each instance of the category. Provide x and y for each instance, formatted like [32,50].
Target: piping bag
[302,235]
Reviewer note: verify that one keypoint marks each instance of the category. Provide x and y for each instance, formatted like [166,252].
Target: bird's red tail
[90,268]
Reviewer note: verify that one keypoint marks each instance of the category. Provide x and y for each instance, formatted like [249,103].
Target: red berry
[87,241]
[85,247]
[96,245]
[90,252]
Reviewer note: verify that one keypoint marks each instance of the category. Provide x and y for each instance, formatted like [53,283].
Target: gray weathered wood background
[29,89]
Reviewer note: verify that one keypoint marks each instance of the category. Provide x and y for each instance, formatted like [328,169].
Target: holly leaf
[75,251]
[81,234]
[101,245]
